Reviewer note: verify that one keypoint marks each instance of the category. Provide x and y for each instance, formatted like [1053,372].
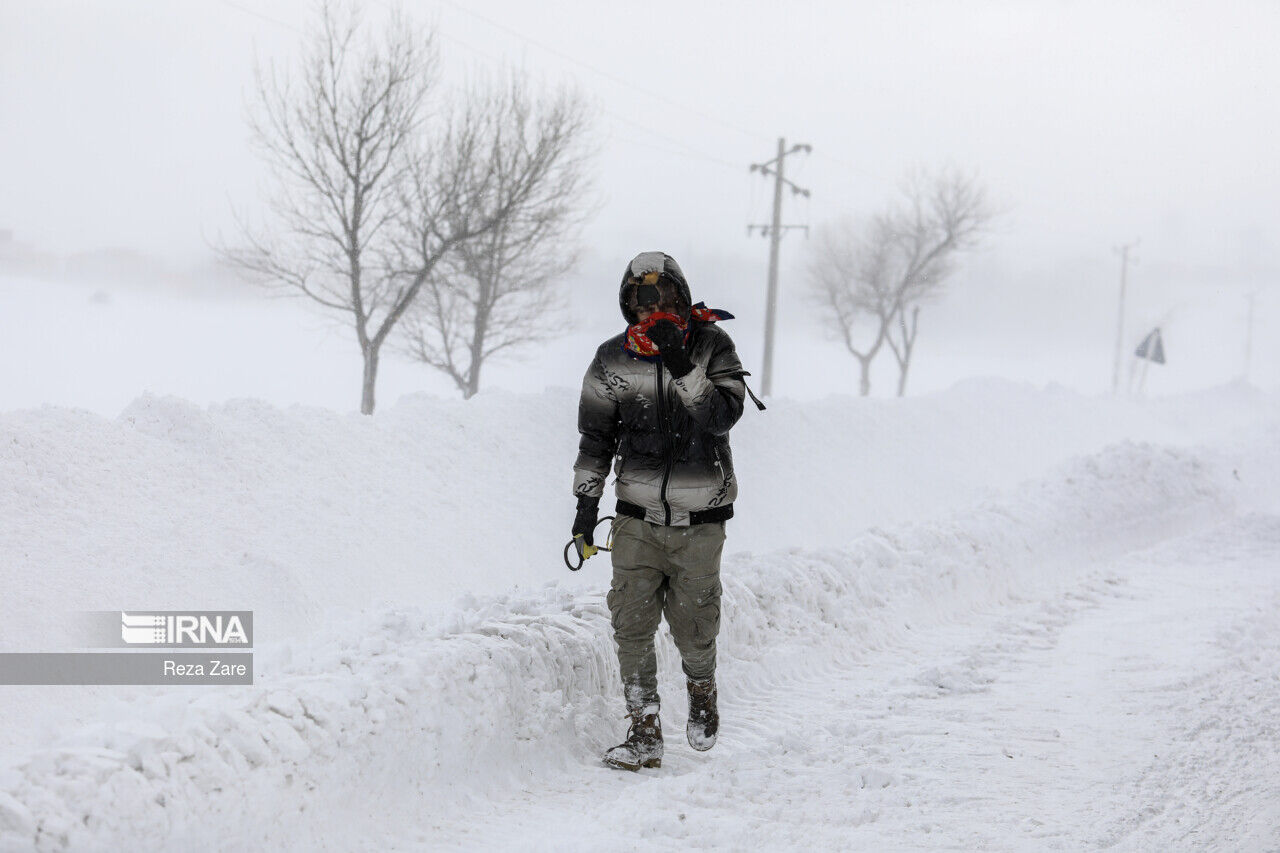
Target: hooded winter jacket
[666,438]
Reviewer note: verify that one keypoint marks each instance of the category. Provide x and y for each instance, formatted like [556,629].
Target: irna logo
[183,629]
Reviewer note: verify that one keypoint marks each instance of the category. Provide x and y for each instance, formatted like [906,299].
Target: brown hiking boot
[704,719]
[643,746]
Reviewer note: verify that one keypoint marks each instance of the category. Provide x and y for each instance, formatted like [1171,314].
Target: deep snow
[920,580]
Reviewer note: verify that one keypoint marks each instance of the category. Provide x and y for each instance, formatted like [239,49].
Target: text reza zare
[212,669]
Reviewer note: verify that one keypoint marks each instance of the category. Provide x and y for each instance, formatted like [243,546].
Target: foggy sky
[1091,123]
[124,120]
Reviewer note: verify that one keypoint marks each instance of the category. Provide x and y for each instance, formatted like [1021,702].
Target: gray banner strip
[126,668]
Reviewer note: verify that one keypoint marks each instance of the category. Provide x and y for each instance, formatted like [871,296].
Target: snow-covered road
[1139,709]
[1078,652]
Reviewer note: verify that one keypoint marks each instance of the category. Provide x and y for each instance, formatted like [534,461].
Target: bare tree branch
[509,225]
[876,275]
[946,213]
[851,277]
[337,133]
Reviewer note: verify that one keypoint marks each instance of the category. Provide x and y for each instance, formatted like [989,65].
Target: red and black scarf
[636,341]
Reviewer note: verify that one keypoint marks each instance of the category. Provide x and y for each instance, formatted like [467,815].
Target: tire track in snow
[405,715]
[947,743]
[1215,781]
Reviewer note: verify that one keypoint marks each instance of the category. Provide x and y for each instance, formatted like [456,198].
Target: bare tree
[849,272]
[945,213]
[523,207]
[880,273]
[338,133]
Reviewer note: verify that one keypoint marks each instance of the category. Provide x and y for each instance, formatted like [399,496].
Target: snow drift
[419,707]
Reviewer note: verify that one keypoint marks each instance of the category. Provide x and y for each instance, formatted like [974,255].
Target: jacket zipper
[667,444]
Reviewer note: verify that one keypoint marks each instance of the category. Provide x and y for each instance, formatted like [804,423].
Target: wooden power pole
[1248,336]
[1124,272]
[775,167]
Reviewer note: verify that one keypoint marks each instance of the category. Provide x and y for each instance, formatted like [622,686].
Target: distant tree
[945,213]
[339,134]
[849,274]
[495,291]
[879,273]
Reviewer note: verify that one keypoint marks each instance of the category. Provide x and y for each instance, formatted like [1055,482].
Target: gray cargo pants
[673,570]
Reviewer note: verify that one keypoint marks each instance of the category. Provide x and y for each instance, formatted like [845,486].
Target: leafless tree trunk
[495,289]
[945,213]
[905,344]
[848,273]
[337,133]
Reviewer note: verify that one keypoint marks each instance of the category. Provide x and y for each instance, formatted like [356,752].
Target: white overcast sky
[1092,124]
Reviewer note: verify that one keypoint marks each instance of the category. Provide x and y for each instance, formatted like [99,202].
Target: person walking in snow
[661,398]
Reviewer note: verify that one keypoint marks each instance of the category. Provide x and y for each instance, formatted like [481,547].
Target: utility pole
[1124,271]
[774,232]
[1248,336]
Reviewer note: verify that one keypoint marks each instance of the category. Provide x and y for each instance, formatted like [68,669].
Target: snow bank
[304,515]
[351,538]
[292,512]
[387,707]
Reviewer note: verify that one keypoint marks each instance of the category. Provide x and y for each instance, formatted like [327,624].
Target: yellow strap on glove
[584,550]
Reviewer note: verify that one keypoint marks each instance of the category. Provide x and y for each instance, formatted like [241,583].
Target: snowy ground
[1123,712]
[1075,652]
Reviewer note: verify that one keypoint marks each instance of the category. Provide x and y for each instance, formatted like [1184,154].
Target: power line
[689,150]
[691,153]
[755,136]
[856,170]
[255,13]
[859,171]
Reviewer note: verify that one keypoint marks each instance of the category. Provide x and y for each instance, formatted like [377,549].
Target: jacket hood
[659,263]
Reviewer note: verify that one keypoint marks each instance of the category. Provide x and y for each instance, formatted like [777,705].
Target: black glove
[669,340]
[585,522]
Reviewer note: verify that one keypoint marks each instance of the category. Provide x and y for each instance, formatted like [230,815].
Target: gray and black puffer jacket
[667,439]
